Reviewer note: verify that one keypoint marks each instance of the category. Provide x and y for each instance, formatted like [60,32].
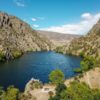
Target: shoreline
[89,78]
[42,93]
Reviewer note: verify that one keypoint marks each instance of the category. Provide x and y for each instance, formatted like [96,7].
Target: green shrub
[56,77]
[16,54]
[11,93]
[81,54]
[78,70]
[84,65]
[81,75]
[76,91]
[59,89]
[88,63]
[2,56]
[96,94]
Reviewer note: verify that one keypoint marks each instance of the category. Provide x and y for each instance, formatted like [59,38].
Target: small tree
[51,93]
[84,66]
[11,93]
[88,63]
[96,94]
[2,92]
[60,88]
[56,77]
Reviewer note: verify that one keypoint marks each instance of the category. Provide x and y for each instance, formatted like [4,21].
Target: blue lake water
[37,65]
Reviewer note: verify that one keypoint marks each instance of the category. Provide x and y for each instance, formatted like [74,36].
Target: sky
[64,16]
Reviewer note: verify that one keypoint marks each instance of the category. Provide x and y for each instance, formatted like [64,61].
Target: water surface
[37,65]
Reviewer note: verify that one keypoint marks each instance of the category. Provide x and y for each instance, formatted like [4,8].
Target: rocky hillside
[58,39]
[16,36]
[86,45]
[91,78]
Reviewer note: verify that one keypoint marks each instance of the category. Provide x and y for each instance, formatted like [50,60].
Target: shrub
[11,93]
[96,94]
[76,91]
[2,56]
[56,77]
[50,93]
[78,70]
[16,54]
[81,54]
[88,63]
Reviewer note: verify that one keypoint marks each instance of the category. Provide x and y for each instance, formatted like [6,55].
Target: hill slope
[87,45]
[58,38]
[16,35]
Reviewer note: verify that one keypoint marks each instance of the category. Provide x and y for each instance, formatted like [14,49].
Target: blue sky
[64,16]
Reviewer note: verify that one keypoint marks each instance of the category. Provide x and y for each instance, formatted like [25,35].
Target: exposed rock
[16,35]
[8,54]
[40,93]
[32,84]
[91,78]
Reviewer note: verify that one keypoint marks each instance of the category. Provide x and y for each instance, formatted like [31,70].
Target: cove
[37,65]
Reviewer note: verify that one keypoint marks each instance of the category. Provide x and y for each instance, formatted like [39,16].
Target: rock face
[35,89]
[91,78]
[16,35]
[89,44]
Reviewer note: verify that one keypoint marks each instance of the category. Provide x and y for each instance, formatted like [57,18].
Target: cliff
[17,37]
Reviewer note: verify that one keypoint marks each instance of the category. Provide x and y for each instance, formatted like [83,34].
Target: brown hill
[18,36]
[87,45]
[59,38]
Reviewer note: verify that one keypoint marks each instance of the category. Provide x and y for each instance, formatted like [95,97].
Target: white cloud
[86,16]
[35,26]
[82,27]
[33,19]
[20,3]
[36,19]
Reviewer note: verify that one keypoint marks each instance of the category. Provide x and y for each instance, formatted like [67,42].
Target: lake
[36,65]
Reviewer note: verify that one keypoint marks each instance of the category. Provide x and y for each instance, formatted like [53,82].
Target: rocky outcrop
[35,89]
[16,35]
[91,78]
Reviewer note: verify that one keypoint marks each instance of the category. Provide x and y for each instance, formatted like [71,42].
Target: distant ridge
[58,38]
